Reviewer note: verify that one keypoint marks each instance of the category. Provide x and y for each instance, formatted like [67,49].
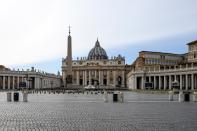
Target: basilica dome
[97,52]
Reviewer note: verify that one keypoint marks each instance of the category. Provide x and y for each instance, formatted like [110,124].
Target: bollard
[181,96]
[16,96]
[171,93]
[25,96]
[105,97]
[115,97]
[9,96]
[187,96]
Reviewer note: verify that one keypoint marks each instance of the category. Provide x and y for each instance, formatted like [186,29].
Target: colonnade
[10,82]
[183,81]
[99,77]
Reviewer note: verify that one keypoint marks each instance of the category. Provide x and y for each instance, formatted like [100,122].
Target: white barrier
[171,93]
[105,97]
[9,96]
[25,96]
[181,96]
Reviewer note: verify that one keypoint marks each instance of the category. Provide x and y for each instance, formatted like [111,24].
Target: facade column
[85,77]
[181,82]
[77,77]
[18,82]
[95,74]
[170,82]
[90,79]
[99,77]
[192,81]
[164,82]
[160,82]
[195,81]
[8,82]
[186,81]
[108,78]
[135,82]
[102,73]
[3,82]
[123,78]
[114,73]
[149,79]
[155,84]
[13,83]
[142,84]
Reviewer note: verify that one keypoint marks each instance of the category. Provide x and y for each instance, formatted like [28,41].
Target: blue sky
[34,32]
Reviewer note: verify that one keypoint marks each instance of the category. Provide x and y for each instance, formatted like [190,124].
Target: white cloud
[36,30]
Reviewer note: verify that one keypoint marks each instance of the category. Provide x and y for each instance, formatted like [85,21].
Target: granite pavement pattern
[88,112]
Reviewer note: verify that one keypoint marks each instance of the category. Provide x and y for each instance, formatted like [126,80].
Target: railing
[165,70]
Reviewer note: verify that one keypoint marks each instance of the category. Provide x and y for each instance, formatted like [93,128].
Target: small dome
[97,52]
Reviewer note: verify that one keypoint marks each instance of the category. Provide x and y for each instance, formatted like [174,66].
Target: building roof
[166,53]
[193,42]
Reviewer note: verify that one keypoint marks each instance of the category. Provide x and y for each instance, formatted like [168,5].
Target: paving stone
[88,112]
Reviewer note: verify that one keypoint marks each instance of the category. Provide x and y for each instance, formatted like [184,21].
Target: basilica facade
[96,69]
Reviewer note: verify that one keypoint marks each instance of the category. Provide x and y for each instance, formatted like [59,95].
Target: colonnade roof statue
[97,52]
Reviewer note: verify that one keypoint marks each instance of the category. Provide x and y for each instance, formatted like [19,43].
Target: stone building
[158,70]
[34,79]
[96,69]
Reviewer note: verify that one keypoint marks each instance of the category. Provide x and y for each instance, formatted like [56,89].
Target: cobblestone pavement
[88,112]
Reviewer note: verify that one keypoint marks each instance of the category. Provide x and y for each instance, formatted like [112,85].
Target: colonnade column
[164,82]
[3,82]
[181,82]
[186,79]
[8,82]
[195,81]
[159,82]
[192,81]
[170,82]
[18,82]
[155,84]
